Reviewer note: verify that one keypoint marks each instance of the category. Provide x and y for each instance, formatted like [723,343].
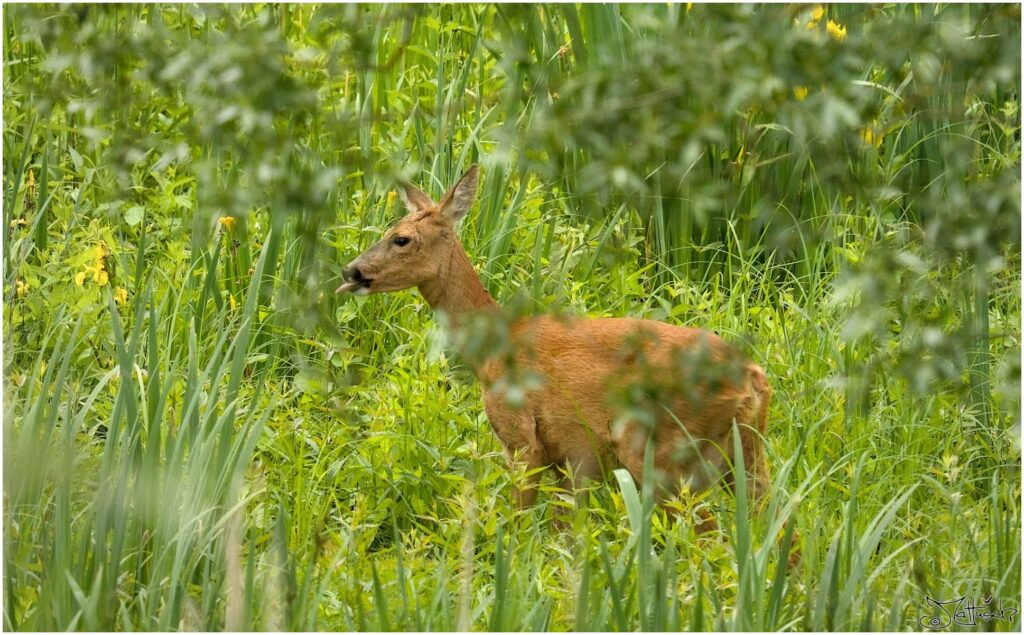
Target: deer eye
[400,241]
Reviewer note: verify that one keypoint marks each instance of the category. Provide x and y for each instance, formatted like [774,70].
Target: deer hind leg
[679,460]
[673,474]
[754,464]
[752,421]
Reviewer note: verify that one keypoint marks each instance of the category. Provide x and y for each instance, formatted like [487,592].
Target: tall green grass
[227,445]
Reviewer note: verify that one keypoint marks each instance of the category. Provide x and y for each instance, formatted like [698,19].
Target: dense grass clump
[198,434]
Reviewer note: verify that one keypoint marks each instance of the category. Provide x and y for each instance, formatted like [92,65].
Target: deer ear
[414,198]
[459,199]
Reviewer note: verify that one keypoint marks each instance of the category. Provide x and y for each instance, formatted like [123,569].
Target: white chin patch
[362,291]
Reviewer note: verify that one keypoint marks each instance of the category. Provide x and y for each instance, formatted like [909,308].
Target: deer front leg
[575,473]
[531,462]
[525,494]
[517,431]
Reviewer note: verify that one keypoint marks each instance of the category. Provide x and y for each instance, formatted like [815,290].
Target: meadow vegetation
[199,434]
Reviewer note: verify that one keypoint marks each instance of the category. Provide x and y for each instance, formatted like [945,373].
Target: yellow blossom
[689,5]
[121,296]
[98,270]
[817,13]
[100,276]
[871,135]
[801,92]
[30,183]
[391,199]
[231,301]
[836,30]
[228,222]
[20,287]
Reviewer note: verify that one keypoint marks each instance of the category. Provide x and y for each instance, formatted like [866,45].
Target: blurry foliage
[723,125]
[718,119]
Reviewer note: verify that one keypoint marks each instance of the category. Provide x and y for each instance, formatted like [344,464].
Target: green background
[199,434]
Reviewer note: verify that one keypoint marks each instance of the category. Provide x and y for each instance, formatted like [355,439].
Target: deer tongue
[348,287]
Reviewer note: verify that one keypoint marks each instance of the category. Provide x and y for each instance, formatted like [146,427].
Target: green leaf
[134,214]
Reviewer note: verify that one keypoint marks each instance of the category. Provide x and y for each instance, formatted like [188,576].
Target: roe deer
[694,384]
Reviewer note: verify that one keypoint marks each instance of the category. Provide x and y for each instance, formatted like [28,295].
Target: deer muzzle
[355,281]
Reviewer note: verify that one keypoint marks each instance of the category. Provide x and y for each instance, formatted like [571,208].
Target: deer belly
[577,440]
[541,435]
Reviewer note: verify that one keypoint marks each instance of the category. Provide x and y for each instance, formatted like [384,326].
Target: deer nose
[354,279]
[352,274]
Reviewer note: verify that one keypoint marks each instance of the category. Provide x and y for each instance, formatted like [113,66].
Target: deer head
[414,251]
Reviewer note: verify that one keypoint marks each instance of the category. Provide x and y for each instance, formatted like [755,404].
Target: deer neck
[457,290]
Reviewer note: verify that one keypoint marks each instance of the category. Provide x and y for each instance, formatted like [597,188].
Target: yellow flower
[689,5]
[871,135]
[231,301]
[801,92]
[98,270]
[816,14]
[391,199]
[228,222]
[30,184]
[121,296]
[100,277]
[836,30]
[20,287]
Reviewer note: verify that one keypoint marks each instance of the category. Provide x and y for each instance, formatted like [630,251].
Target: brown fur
[691,382]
